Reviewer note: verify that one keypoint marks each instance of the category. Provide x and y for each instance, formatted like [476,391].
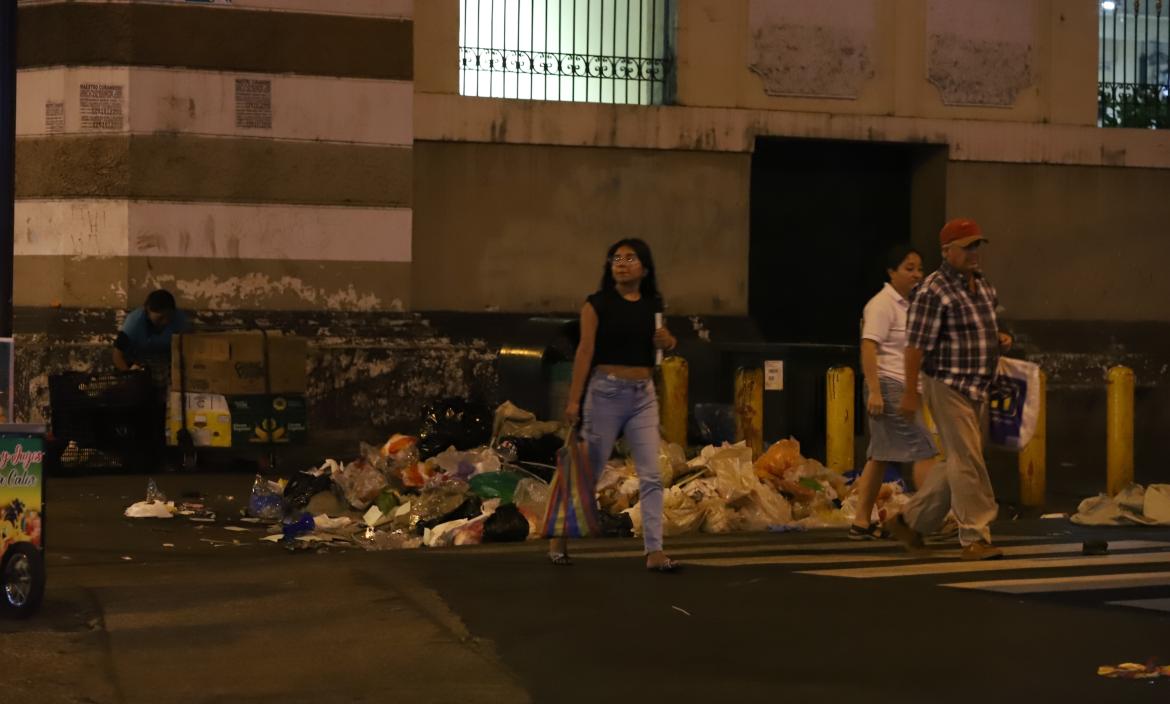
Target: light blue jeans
[627,407]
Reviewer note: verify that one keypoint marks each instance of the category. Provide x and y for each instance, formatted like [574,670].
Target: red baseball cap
[960,231]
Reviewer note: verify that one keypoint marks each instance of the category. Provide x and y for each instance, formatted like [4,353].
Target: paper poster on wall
[101,106]
[254,103]
[54,117]
[774,375]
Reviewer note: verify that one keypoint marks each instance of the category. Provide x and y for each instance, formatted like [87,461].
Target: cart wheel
[22,581]
[190,458]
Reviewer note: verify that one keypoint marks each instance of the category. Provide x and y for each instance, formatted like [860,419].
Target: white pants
[959,483]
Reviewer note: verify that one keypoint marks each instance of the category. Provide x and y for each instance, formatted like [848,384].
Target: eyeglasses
[628,259]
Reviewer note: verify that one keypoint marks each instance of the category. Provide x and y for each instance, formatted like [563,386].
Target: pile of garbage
[472,476]
[1133,505]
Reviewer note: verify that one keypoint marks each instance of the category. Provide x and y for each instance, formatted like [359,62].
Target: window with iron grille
[597,51]
[1134,78]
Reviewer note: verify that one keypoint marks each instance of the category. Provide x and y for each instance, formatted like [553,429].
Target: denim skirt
[892,436]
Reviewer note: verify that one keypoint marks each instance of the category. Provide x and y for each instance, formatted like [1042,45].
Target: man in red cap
[953,338]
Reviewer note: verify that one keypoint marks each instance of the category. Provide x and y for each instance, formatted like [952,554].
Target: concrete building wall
[525,228]
[248,156]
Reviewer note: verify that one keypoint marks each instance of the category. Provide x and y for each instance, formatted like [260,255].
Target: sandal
[667,567]
[873,531]
[561,559]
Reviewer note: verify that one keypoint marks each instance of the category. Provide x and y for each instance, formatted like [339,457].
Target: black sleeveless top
[625,329]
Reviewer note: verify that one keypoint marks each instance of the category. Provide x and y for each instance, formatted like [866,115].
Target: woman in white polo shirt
[892,437]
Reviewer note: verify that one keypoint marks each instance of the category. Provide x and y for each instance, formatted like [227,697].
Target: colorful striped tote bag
[572,502]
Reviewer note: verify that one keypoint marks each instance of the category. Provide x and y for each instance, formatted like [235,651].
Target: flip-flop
[560,559]
[668,567]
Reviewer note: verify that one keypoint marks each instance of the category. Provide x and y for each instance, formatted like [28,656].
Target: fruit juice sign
[21,476]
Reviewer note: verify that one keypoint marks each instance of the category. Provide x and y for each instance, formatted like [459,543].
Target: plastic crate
[109,411]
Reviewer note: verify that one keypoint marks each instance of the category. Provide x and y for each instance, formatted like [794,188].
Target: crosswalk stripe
[757,547]
[995,565]
[1150,604]
[1046,549]
[1128,580]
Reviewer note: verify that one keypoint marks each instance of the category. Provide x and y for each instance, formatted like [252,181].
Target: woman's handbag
[572,505]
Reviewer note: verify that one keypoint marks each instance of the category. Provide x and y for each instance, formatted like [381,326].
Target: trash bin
[22,519]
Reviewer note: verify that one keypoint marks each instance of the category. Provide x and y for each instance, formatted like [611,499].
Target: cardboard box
[215,420]
[208,420]
[238,363]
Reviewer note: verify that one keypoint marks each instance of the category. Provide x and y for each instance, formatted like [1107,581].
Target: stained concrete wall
[1071,242]
[525,228]
[1000,60]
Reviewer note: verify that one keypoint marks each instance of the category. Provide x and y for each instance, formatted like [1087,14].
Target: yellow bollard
[1033,471]
[1119,425]
[674,376]
[839,419]
[749,408]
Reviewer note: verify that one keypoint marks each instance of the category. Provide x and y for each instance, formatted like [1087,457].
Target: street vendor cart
[22,519]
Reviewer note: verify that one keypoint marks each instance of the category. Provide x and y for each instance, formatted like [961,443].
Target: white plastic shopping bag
[1014,403]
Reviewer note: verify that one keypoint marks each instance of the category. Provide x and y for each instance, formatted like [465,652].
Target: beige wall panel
[917,70]
[110,228]
[362,111]
[1070,243]
[436,46]
[73,282]
[522,228]
[456,118]
[257,284]
[71,228]
[184,167]
[48,101]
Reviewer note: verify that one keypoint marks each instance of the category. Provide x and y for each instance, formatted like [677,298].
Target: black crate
[109,411]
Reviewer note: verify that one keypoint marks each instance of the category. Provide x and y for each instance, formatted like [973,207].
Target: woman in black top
[619,340]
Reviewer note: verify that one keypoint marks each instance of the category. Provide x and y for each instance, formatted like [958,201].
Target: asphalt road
[169,610]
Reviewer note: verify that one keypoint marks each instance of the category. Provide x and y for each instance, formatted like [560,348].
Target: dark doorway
[823,214]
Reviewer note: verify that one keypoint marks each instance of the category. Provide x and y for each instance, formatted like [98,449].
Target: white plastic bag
[1014,403]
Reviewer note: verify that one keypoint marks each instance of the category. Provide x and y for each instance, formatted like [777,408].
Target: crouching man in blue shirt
[145,337]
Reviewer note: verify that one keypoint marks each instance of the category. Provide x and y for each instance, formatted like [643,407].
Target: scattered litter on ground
[1133,505]
[1134,671]
[463,480]
[151,509]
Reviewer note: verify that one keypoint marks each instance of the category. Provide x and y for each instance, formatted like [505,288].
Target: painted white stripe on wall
[119,228]
[401,9]
[351,110]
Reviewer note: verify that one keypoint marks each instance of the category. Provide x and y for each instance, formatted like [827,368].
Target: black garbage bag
[454,422]
[471,507]
[619,526]
[506,525]
[303,487]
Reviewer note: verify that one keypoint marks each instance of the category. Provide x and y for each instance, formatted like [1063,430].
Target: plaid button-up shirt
[956,330]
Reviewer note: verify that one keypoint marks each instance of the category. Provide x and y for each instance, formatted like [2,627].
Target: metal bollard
[1033,470]
[839,419]
[674,375]
[1119,425]
[749,408]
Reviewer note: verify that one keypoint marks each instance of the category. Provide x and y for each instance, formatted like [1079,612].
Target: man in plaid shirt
[953,338]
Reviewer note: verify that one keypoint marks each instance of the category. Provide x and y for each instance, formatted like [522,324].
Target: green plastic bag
[495,485]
